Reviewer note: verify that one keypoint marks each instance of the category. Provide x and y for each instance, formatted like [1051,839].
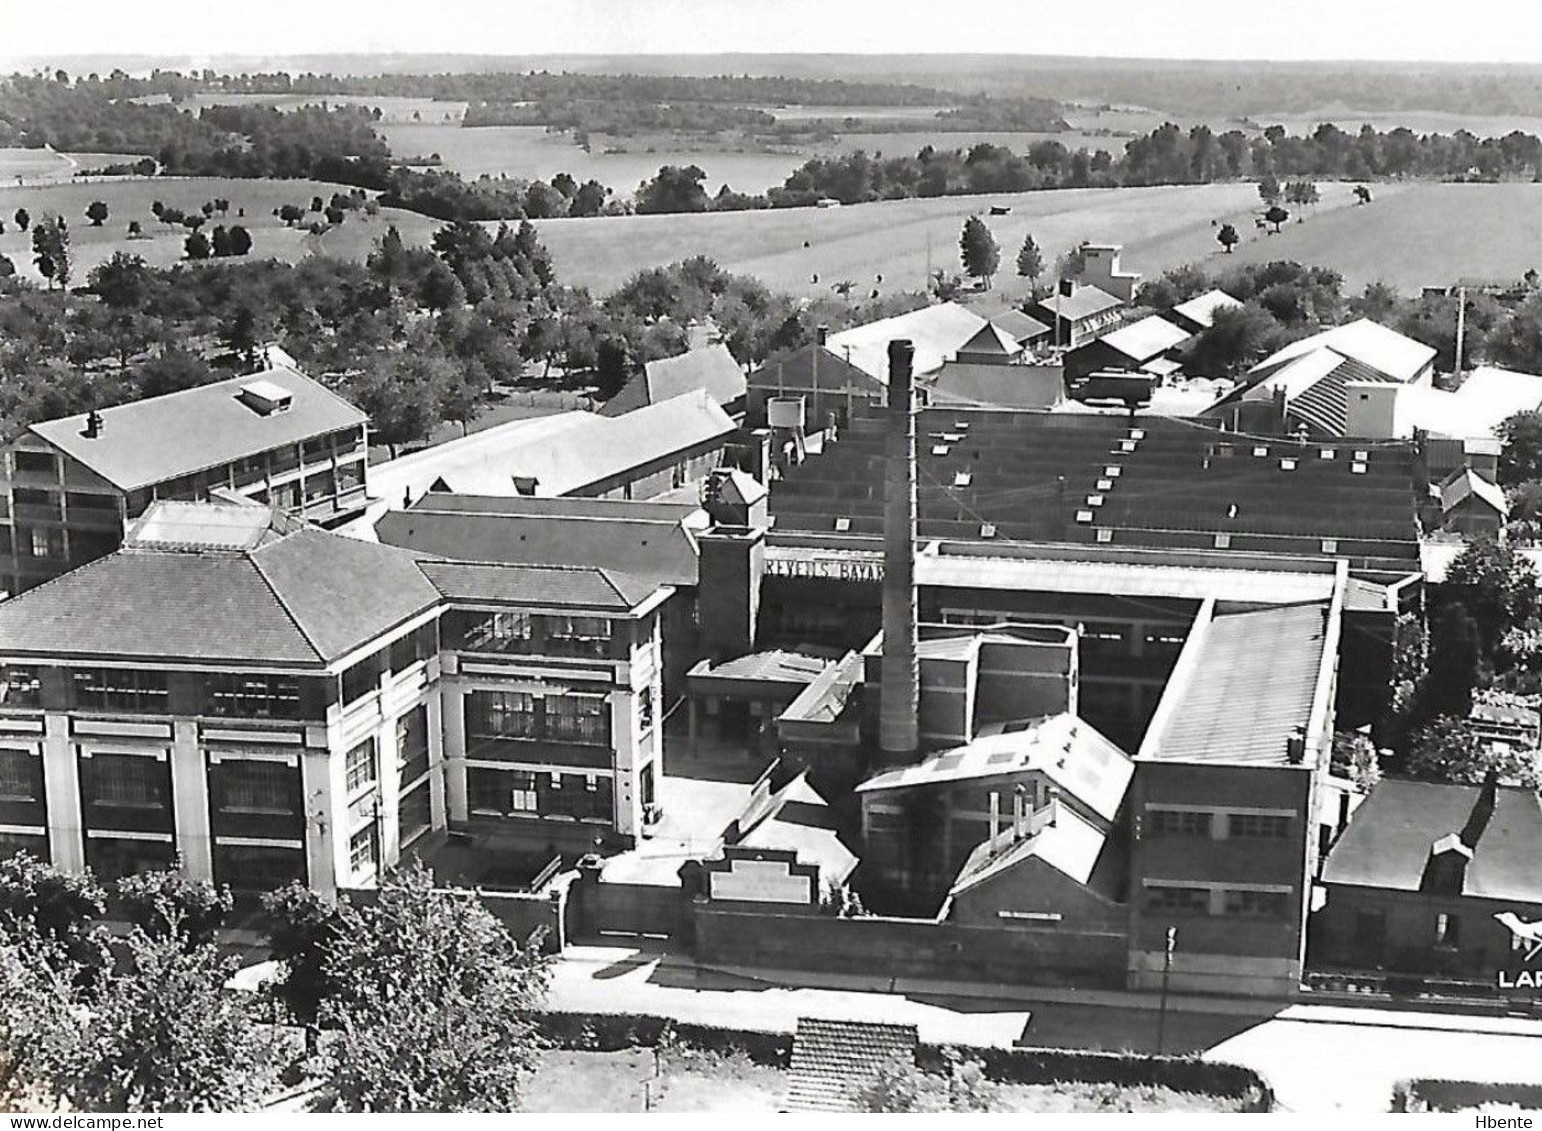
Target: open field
[130,199]
[1413,235]
[1159,228]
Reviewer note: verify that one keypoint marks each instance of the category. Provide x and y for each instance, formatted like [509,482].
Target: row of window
[363,677]
[1244,903]
[147,691]
[580,717]
[504,793]
[1208,825]
[517,633]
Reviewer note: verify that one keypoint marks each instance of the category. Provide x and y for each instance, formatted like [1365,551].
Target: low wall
[908,948]
[596,907]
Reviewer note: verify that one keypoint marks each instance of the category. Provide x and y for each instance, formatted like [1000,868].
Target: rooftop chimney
[821,334]
[93,425]
[898,729]
[995,818]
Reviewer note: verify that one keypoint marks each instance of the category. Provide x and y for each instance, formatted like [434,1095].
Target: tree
[192,222]
[58,905]
[316,204]
[40,986]
[435,1002]
[402,394]
[1520,454]
[673,189]
[898,1087]
[174,370]
[169,904]
[1452,750]
[96,212]
[291,214]
[1030,261]
[1235,338]
[122,282]
[51,250]
[22,218]
[1227,237]
[1268,189]
[7,268]
[304,929]
[1454,664]
[196,246]
[219,239]
[1276,216]
[135,230]
[1497,586]
[335,216]
[613,366]
[162,1033]
[978,250]
[240,240]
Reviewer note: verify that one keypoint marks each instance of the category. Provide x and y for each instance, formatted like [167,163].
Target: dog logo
[1526,946]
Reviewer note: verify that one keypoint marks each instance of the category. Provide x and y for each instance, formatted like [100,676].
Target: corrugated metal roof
[163,438]
[775,666]
[1388,841]
[1253,684]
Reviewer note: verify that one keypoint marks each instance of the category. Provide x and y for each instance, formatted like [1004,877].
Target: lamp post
[1167,969]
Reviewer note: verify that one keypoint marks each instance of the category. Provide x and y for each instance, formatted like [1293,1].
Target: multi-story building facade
[69,487]
[266,702]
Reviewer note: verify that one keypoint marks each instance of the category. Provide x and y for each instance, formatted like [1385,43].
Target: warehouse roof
[1084,302]
[1022,327]
[1141,341]
[936,332]
[1396,356]
[163,438]
[710,369]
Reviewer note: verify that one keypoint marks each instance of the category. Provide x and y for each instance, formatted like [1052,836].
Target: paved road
[1317,1058]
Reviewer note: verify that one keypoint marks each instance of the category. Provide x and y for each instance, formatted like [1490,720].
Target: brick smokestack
[898,731]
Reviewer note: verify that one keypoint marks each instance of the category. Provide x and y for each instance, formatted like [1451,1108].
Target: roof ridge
[251,556]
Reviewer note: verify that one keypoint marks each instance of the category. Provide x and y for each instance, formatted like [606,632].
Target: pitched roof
[1022,327]
[1084,302]
[1062,747]
[1315,386]
[798,819]
[795,370]
[578,586]
[308,597]
[1465,484]
[559,454]
[1254,682]
[936,332]
[1001,386]
[661,549]
[162,438]
[710,369]
[991,340]
[1056,834]
[774,666]
[1201,308]
[1485,400]
[1395,356]
[1388,841]
[1144,340]
[834,1061]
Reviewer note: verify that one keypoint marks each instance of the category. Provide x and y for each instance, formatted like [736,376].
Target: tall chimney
[995,818]
[898,731]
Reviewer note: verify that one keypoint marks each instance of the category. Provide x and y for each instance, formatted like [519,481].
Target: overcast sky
[1474,31]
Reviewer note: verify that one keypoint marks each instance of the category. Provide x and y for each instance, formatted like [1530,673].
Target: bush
[613,1032]
[170,905]
[1459,1095]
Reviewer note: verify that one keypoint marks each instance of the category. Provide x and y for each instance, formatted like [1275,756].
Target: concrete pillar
[322,818]
[898,728]
[389,793]
[190,802]
[61,790]
[437,766]
[624,741]
[452,710]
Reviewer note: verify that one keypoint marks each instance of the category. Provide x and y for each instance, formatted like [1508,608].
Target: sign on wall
[761,881]
[1524,970]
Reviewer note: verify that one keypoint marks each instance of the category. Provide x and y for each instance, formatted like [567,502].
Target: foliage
[96,212]
[434,1012]
[1455,664]
[1354,757]
[1030,261]
[674,188]
[1227,237]
[1453,750]
[1269,189]
[1276,216]
[1497,586]
[978,250]
[1236,338]
[303,929]
[168,904]
[1520,457]
[51,250]
[58,905]
[39,984]
[899,1087]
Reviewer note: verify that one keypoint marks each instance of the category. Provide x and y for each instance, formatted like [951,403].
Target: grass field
[131,199]
[569,1081]
[1416,235]
[1159,228]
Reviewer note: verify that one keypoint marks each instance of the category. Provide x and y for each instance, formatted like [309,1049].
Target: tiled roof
[991,339]
[775,666]
[661,549]
[834,1061]
[162,438]
[1254,682]
[577,586]
[1388,841]
[710,369]
[1000,386]
[795,370]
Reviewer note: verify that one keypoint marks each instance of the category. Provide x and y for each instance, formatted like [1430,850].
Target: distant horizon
[1483,32]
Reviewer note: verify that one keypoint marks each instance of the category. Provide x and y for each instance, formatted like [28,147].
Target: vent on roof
[1112,472]
[952,437]
[1330,546]
[265,397]
[525,484]
[962,479]
[1327,453]
[1362,456]
[961,425]
[1105,534]
[1094,500]
[1261,452]
[842,525]
[1223,541]
[988,530]
[939,449]
[1287,465]
[1357,469]
[1126,445]
[1083,516]
[1105,484]
[1137,433]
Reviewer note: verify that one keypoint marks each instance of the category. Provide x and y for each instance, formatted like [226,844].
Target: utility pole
[1461,329]
[1167,969]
